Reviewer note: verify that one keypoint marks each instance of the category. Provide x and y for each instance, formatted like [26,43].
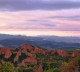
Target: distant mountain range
[50,42]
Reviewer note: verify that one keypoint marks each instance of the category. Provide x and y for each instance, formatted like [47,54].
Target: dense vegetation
[55,66]
[34,59]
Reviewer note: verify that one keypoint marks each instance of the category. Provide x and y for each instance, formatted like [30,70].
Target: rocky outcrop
[27,47]
[33,54]
[40,69]
[38,50]
[29,60]
[62,53]
[17,56]
[6,52]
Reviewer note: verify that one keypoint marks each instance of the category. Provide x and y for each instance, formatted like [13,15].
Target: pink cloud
[19,22]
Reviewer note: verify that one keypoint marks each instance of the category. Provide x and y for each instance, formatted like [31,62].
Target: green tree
[52,70]
[6,67]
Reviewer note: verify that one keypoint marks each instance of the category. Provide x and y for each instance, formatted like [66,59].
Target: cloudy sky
[40,17]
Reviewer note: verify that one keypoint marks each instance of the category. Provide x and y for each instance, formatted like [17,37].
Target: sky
[40,17]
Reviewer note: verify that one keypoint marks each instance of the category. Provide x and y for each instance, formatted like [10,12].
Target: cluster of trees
[66,64]
[58,65]
[6,66]
[9,67]
[50,67]
[69,66]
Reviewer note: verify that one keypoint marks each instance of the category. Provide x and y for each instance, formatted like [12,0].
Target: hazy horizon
[40,17]
[23,35]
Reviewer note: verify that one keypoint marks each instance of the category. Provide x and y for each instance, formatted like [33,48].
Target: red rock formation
[6,52]
[17,56]
[38,50]
[29,60]
[40,69]
[27,47]
[62,53]
[2,51]
[31,54]
[24,50]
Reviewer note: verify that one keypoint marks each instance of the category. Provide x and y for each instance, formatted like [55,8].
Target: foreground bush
[6,67]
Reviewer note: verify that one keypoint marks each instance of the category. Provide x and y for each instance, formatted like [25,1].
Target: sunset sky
[40,17]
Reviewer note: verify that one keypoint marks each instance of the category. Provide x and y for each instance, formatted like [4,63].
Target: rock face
[29,60]
[38,50]
[59,52]
[17,56]
[27,47]
[6,52]
[40,69]
[62,53]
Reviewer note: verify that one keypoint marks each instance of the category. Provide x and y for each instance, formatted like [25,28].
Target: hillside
[36,58]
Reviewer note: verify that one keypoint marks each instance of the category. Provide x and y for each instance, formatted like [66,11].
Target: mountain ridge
[49,42]
[29,58]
